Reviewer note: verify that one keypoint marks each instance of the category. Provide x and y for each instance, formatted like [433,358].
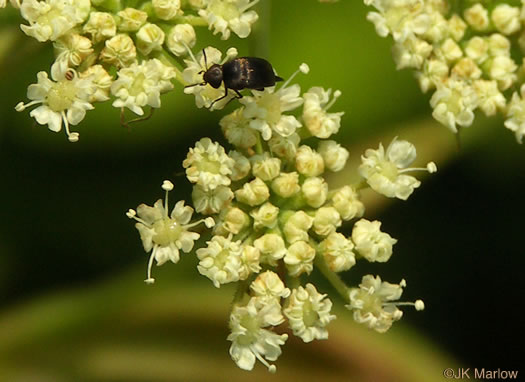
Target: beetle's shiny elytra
[237,74]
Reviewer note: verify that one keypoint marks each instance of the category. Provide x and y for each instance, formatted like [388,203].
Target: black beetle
[237,74]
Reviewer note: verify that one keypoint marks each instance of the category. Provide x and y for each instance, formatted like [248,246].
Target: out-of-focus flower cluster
[275,218]
[127,51]
[471,55]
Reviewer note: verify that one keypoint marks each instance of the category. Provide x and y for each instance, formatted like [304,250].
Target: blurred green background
[73,306]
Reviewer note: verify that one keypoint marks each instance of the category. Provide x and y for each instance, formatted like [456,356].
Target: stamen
[131,213]
[249,5]
[207,222]
[72,137]
[166,186]
[337,94]
[150,280]
[303,68]
[271,368]
[20,106]
[191,54]
[430,169]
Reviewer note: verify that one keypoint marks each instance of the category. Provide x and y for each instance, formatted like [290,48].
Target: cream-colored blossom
[73,49]
[490,98]
[180,38]
[506,19]
[284,147]
[253,193]
[131,19]
[220,261]
[372,303]
[411,53]
[503,69]
[346,201]
[101,81]
[119,51]
[150,37]
[269,286]
[434,71]
[308,161]
[326,221]
[317,120]
[272,248]
[211,201]
[140,85]
[286,184]
[232,220]
[265,216]
[250,261]
[241,165]
[63,99]
[297,226]
[250,340]
[477,49]
[315,191]
[51,19]
[477,17]
[516,115]
[224,16]
[467,69]
[166,9]
[236,130]
[370,242]
[337,252]
[334,156]
[299,258]
[308,313]
[265,167]
[208,165]
[101,26]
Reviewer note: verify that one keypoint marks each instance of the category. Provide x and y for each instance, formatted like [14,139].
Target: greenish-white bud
[181,38]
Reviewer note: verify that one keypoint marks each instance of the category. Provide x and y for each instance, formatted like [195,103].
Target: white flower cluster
[463,54]
[273,213]
[111,51]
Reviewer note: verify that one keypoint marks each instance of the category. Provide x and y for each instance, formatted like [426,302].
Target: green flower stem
[332,277]
[242,289]
[258,146]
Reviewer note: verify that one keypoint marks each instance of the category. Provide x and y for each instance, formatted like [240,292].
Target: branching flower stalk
[263,206]
[470,54]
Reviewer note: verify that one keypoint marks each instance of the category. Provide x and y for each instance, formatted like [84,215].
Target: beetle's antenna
[197,84]
[205,58]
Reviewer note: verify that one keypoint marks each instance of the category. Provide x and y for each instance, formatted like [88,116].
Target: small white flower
[51,19]
[250,261]
[516,115]
[100,26]
[489,96]
[503,69]
[337,252]
[166,9]
[299,258]
[101,81]
[62,101]
[286,184]
[309,162]
[449,51]
[457,27]
[73,49]
[477,49]
[297,226]
[506,19]
[346,201]
[370,242]
[141,84]
[269,286]
[250,340]
[265,216]
[236,130]
[467,69]
[385,172]
[454,103]
[411,53]
[265,167]
[284,147]
[119,51]
[220,261]
[234,220]
[326,221]
[253,193]
[434,71]
[224,16]
[180,38]
[334,156]
[308,313]
[150,37]
[372,303]
[162,234]
[477,17]
[317,120]
[499,45]
[271,246]
[315,191]
[208,165]
[210,202]
[131,19]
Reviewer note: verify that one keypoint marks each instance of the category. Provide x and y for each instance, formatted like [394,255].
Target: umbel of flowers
[271,218]
[470,54]
[126,51]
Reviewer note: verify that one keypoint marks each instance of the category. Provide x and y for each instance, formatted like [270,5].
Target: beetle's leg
[239,95]
[218,99]
[198,84]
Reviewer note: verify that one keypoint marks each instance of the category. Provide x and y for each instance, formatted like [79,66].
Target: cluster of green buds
[471,54]
[272,218]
